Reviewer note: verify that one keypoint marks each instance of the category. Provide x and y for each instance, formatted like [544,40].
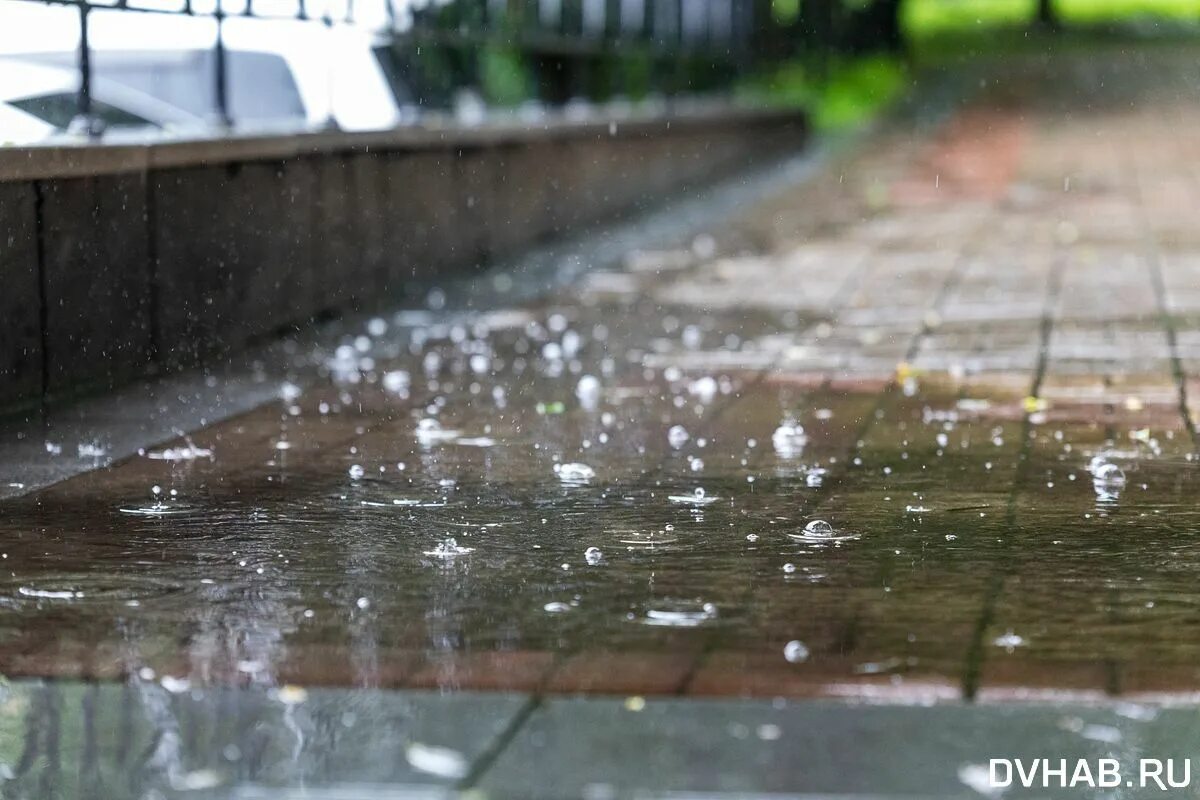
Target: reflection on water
[143,739]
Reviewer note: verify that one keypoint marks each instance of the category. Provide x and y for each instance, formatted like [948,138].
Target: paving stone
[666,747]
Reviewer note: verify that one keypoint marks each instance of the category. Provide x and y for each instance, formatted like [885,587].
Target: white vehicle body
[18,127]
[281,73]
[50,95]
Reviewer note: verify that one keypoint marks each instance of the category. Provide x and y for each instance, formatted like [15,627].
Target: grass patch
[849,93]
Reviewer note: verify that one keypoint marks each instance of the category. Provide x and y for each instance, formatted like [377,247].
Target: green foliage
[850,92]
[504,76]
[926,20]
[785,12]
[635,70]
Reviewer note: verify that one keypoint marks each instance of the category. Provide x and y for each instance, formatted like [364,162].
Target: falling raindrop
[588,391]
[789,439]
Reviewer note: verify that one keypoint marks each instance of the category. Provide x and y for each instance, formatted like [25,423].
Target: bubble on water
[818,527]
[1109,474]
[698,497]
[818,530]
[289,392]
[1107,482]
[795,651]
[677,436]
[356,472]
[789,439]
[362,603]
[680,614]
[377,326]
[54,449]
[942,440]
[593,556]
[815,477]
[574,473]
[449,548]
[588,390]
[556,608]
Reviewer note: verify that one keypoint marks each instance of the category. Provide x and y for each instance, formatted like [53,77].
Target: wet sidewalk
[914,430]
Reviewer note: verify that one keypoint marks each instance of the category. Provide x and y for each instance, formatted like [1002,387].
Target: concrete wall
[116,260]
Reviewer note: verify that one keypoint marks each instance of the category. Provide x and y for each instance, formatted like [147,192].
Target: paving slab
[703,748]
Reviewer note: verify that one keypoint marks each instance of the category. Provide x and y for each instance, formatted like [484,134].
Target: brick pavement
[960,319]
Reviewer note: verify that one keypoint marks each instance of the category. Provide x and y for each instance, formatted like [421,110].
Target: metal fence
[560,37]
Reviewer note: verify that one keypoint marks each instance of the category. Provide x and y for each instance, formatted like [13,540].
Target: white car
[18,127]
[281,74]
[40,101]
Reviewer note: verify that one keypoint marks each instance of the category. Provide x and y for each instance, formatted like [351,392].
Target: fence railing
[717,31]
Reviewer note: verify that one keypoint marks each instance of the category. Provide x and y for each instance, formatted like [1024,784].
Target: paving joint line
[806,508]
[485,760]
[1153,255]
[976,657]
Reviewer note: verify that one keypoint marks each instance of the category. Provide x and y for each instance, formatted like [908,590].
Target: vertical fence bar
[220,69]
[330,122]
[85,120]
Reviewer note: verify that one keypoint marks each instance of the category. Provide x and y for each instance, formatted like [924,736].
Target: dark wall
[108,276]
